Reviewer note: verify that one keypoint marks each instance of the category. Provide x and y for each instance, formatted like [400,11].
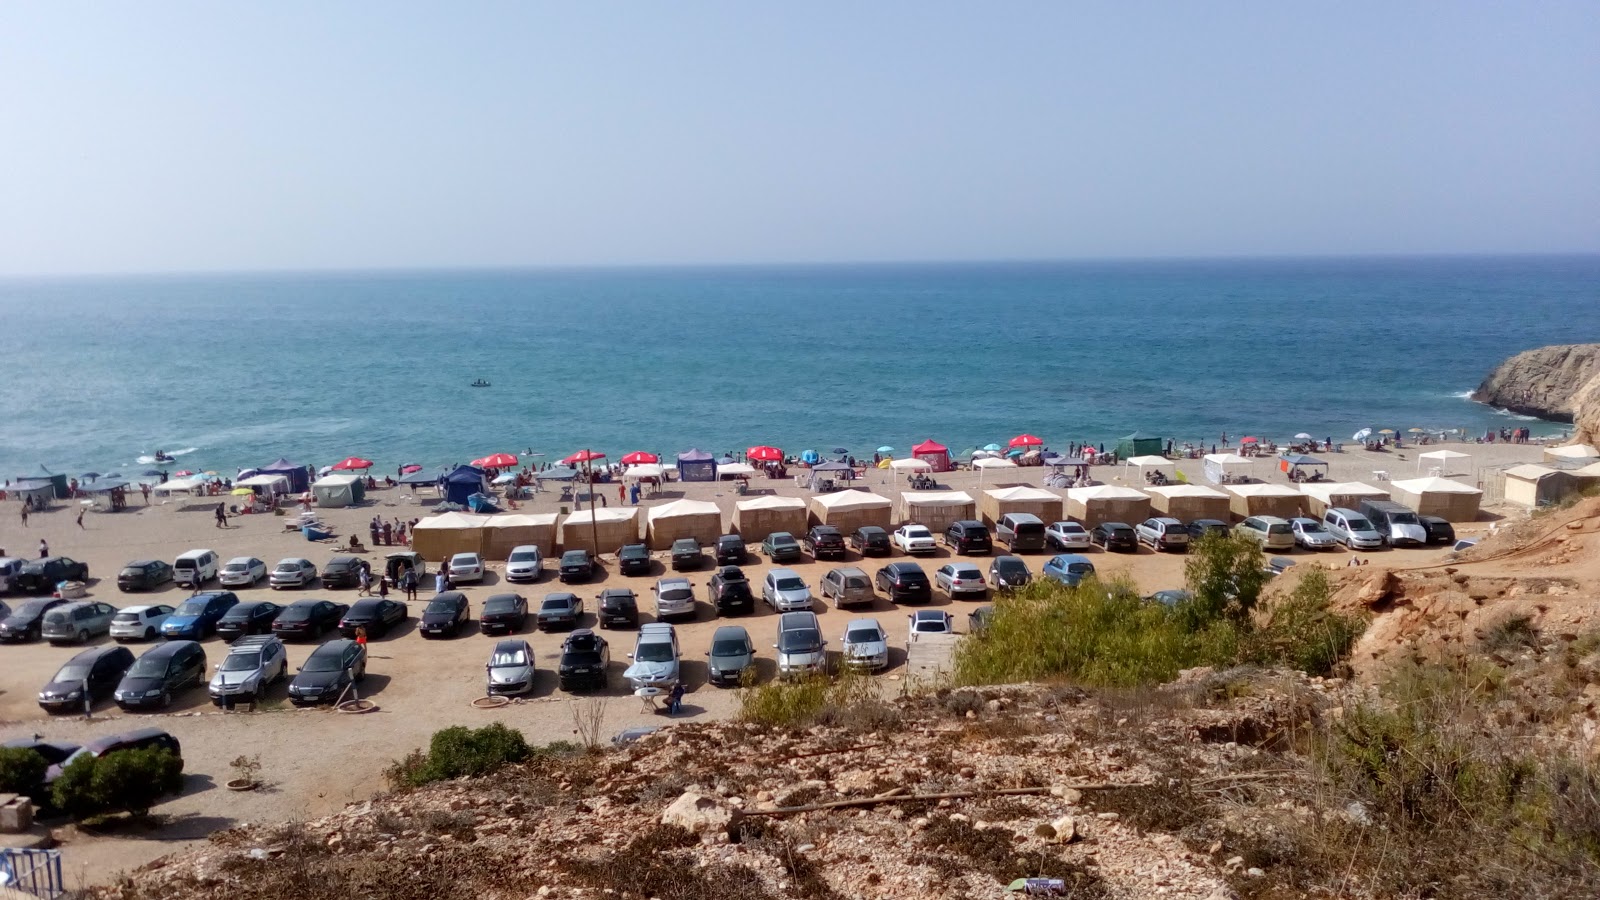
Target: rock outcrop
[1544,382]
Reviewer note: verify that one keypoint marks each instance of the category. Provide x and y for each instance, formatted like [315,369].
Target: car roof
[460,555]
[686,540]
[782,570]
[366,603]
[1069,558]
[74,605]
[584,633]
[730,537]
[501,596]
[867,529]
[618,592]
[1066,524]
[251,604]
[729,632]
[848,571]
[307,602]
[1010,559]
[141,563]
[343,560]
[903,567]
[656,631]
[780,534]
[139,609]
[562,596]
[522,547]
[666,580]
[1306,519]
[511,644]
[94,653]
[862,622]
[726,571]
[210,595]
[963,564]
[970,522]
[1109,525]
[825,528]
[241,559]
[166,649]
[912,527]
[1271,520]
[922,614]
[189,554]
[449,595]
[584,553]
[101,744]
[333,647]
[1165,520]
[801,619]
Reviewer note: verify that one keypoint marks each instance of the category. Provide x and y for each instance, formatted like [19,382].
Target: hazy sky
[218,136]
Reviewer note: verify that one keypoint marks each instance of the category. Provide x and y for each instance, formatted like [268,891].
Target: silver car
[801,649]
[138,623]
[77,622]
[674,597]
[292,573]
[865,645]
[1310,534]
[785,591]
[242,571]
[510,668]
[524,563]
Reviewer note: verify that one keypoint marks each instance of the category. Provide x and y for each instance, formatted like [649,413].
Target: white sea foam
[147,460]
[1462,395]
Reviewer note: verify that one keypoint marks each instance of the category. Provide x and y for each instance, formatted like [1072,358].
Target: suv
[1163,534]
[730,593]
[674,597]
[730,550]
[141,739]
[42,575]
[1271,532]
[197,617]
[162,671]
[328,671]
[904,582]
[780,546]
[1397,523]
[870,540]
[825,541]
[618,606]
[686,554]
[97,671]
[143,575]
[655,657]
[801,649]
[968,536]
[577,565]
[77,622]
[847,586]
[632,559]
[584,658]
[251,665]
[785,590]
[1440,531]
[254,617]
[1115,536]
[342,572]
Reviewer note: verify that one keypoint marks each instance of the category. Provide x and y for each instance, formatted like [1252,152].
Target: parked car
[561,610]
[138,623]
[870,540]
[1352,529]
[731,655]
[780,547]
[1463,544]
[730,550]
[295,573]
[730,591]
[1020,532]
[378,615]
[342,572]
[801,648]
[309,619]
[254,663]
[510,669]
[968,536]
[1066,536]
[53,752]
[1278,565]
[243,619]
[524,564]
[865,645]
[143,575]
[913,539]
[1440,531]
[655,657]
[904,582]
[27,620]
[1115,536]
[77,622]
[1068,568]
[784,591]
[674,597]
[961,580]
[825,542]
[618,607]
[577,566]
[242,571]
[41,576]
[1310,534]
[846,586]
[503,614]
[159,673]
[96,670]
[196,618]
[979,619]
[445,615]
[687,555]
[1201,527]
[632,559]
[193,568]
[329,669]
[138,739]
[1271,532]
[1171,597]
[930,621]
[1163,533]
[1009,573]
[10,568]
[585,656]
[466,567]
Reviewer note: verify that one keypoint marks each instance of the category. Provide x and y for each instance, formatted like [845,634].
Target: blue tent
[696,465]
[421,476]
[41,475]
[463,482]
[299,478]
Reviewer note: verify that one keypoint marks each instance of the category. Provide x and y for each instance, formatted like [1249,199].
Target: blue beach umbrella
[992,448]
[885,449]
[810,456]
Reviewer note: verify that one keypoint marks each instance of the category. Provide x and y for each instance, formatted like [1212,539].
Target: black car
[254,617]
[904,582]
[27,619]
[1009,573]
[584,657]
[730,550]
[632,559]
[618,607]
[1115,536]
[730,591]
[162,671]
[577,565]
[870,540]
[52,752]
[1439,531]
[139,739]
[968,536]
[376,614]
[308,619]
[143,575]
[503,614]
[686,555]
[445,614]
[825,542]
[561,609]
[42,575]
[328,671]
[1201,527]
[342,572]
[97,671]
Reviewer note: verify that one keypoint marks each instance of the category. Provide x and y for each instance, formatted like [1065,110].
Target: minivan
[162,671]
[10,567]
[847,586]
[1022,532]
[77,622]
[139,739]
[1352,529]
[194,568]
[97,671]
[801,649]
[968,536]
[1397,523]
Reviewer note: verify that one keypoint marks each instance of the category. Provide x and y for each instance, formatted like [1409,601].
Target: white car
[138,623]
[242,571]
[292,573]
[1310,534]
[961,578]
[1163,533]
[1067,536]
[674,597]
[913,539]
[524,563]
[865,645]
[466,567]
[930,621]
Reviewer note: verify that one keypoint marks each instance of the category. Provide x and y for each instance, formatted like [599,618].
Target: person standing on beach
[408,581]
[222,516]
[366,583]
[80,519]
[622,494]
[27,504]
[44,548]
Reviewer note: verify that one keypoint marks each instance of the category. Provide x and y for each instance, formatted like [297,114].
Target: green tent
[1139,444]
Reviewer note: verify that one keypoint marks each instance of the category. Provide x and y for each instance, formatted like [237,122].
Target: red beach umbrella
[639,456]
[182,474]
[408,468]
[584,456]
[353,462]
[764,454]
[495,461]
[1249,440]
[1026,440]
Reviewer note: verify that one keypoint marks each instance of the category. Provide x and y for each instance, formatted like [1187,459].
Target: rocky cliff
[1543,382]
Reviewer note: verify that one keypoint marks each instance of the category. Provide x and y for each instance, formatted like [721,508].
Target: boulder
[1542,382]
[705,816]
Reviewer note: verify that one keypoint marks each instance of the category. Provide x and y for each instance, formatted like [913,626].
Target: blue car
[196,619]
[1068,568]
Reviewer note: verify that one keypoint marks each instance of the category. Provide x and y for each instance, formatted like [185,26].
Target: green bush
[126,781]
[460,752]
[1303,632]
[806,701]
[1225,577]
[22,772]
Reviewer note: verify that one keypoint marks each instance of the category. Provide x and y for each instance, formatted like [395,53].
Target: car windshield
[791,584]
[192,608]
[241,611]
[730,648]
[1080,568]
[555,604]
[917,532]
[582,655]
[616,601]
[288,567]
[676,593]
[148,667]
[655,651]
[126,618]
[295,613]
[464,561]
[524,556]
[241,662]
[1311,527]
[1010,567]
[863,635]
[632,551]
[803,640]
[1360,525]
[235,567]
[731,577]
[73,672]
[509,658]
[967,572]
[441,606]
[492,605]
[323,662]
[782,541]
[57,616]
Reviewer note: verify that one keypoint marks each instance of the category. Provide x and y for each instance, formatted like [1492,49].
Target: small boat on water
[480,383]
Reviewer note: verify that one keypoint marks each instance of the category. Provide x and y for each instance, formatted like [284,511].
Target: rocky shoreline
[1543,382]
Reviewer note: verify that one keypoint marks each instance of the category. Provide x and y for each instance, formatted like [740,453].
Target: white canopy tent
[189,485]
[643,470]
[1159,463]
[911,464]
[1445,460]
[1571,452]
[270,484]
[993,462]
[1221,468]
[735,470]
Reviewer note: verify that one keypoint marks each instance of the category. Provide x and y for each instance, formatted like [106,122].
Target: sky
[174,137]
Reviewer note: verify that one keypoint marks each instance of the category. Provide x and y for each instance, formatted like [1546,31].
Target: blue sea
[238,370]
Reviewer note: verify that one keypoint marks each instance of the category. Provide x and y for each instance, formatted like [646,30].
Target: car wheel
[149,634]
[83,637]
[166,699]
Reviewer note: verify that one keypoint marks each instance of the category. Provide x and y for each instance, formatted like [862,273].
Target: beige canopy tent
[268,486]
[442,536]
[614,527]
[936,509]
[1322,496]
[1448,462]
[696,519]
[1449,500]
[1187,502]
[758,517]
[504,533]
[998,502]
[992,462]
[1279,500]
[1580,452]
[1107,503]
[849,510]
[1534,485]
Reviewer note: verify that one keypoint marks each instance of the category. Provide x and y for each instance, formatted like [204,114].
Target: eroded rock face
[1545,382]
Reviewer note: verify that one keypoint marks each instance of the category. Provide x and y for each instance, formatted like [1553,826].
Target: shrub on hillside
[460,752]
[22,772]
[1225,577]
[1303,631]
[848,700]
[129,781]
